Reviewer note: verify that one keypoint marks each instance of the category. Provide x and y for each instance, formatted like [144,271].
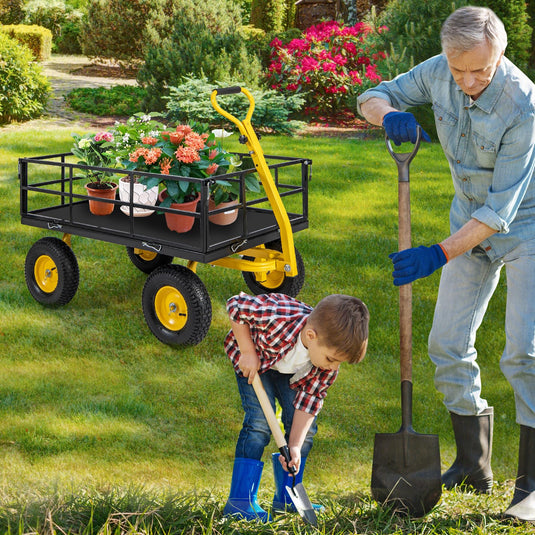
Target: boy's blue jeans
[255,433]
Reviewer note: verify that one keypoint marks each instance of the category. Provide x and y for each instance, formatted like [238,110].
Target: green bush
[61,19]
[24,89]
[190,101]
[11,11]
[196,48]
[124,100]
[36,38]
[114,29]
[269,15]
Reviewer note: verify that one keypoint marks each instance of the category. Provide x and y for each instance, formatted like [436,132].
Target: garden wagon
[175,302]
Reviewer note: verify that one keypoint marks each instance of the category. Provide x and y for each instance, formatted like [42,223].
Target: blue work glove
[402,126]
[416,263]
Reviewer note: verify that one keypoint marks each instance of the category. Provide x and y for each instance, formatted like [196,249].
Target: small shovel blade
[302,503]
[406,472]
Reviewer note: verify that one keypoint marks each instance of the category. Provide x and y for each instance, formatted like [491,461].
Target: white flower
[126,137]
[145,118]
[84,144]
[221,133]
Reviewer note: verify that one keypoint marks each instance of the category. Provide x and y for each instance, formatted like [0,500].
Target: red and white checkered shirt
[275,322]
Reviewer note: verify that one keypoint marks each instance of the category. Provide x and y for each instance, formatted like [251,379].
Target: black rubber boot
[523,505]
[473,436]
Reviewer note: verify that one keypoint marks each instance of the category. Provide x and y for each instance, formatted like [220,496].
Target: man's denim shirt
[489,144]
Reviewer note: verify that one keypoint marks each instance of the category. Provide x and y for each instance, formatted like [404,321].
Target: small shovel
[406,464]
[297,492]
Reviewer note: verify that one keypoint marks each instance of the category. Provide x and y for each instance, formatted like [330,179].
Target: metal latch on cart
[154,246]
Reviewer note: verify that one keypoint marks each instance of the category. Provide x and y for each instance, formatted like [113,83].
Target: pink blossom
[104,136]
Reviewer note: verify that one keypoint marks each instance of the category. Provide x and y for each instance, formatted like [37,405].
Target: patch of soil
[100,70]
[343,124]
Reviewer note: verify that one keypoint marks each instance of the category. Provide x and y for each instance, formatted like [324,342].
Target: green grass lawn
[98,417]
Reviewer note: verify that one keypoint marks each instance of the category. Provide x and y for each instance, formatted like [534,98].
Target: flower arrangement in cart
[147,145]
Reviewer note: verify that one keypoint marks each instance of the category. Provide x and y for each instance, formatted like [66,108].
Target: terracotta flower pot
[178,222]
[223,218]
[101,208]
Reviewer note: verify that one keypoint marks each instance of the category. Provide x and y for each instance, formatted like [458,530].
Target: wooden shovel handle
[405,291]
[272,421]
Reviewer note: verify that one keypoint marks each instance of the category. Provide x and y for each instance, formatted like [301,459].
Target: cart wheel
[147,261]
[51,272]
[276,281]
[176,306]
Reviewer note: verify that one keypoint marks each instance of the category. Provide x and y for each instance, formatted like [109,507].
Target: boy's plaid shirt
[275,322]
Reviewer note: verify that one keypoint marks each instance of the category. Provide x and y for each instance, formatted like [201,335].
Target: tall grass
[106,429]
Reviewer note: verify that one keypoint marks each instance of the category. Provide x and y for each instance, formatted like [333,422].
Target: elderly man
[484,111]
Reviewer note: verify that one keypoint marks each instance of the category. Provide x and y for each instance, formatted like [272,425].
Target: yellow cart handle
[251,140]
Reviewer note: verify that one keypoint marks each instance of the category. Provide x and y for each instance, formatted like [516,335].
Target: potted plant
[127,137]
[225,193]
[187,151]
[91,151]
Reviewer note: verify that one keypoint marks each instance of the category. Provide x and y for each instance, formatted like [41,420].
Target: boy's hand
[249,364]
[295,455]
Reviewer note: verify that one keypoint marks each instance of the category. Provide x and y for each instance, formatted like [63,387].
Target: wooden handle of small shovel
[272,421]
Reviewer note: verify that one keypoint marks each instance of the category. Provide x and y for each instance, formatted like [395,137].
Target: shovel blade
[406,472]
[302,503]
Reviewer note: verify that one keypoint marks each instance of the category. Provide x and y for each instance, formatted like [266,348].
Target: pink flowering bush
[329,64]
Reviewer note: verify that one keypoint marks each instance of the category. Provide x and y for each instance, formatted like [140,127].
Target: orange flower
[165,166]
[152,156]
[187,155]
[211,169]
[141,152]
[212,154]
[149,140]
[176,137]
[194,140]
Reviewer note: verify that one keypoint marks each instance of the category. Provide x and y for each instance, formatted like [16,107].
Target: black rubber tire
[176,305]
[289,285]
[51,272]
[148,265]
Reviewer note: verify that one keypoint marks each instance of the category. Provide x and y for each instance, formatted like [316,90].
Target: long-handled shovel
[297,492]
[406,464]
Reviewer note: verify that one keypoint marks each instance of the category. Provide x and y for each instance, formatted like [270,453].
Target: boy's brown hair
[341,323]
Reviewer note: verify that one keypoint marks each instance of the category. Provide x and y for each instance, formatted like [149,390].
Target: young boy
[297,350]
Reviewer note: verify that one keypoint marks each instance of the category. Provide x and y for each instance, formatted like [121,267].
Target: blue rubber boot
[243,491]
[282,501]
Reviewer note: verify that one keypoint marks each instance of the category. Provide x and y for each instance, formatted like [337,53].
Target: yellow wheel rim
[147,256]
[271,279]
[171,308]
[45,273]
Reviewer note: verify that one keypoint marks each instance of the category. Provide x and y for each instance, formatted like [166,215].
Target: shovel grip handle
[269,413]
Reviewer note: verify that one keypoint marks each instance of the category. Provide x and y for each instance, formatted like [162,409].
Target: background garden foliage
[255,43]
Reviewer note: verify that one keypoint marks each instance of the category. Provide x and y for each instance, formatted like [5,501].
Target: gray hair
[470,26]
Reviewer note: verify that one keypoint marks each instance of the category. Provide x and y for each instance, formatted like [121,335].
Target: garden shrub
[330,65]
[114,29]
[124,100]
[190,101]
[36,38]
[269,15]
[62,20]
[24,89]
[194,48]
[11,11]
